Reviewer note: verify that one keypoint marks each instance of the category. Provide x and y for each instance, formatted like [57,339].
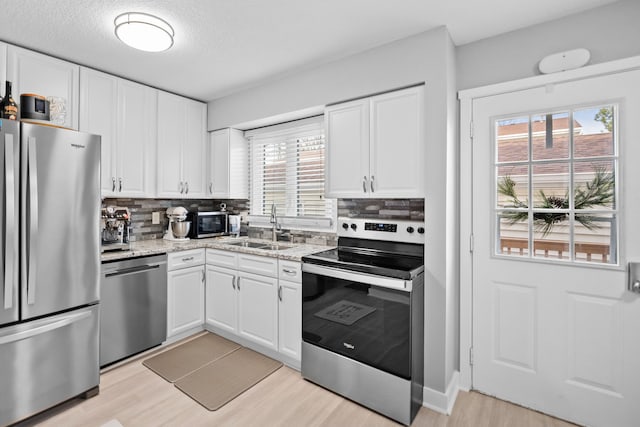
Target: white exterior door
[555,222]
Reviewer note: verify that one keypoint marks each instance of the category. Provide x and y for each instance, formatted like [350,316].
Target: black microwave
[207,224]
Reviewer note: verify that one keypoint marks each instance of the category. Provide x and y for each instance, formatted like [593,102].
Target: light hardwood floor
[135,396]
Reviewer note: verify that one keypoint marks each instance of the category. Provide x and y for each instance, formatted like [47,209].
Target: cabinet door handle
[372,178]
[211,187]
[186,184]
[364,184]
[181,187]
[113,184]
[238,283]
[280,293]
[233,282]
[202,275]
[120,185]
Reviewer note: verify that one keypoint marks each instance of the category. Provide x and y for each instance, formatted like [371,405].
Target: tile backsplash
[407,209]
[141,210]
[143,229]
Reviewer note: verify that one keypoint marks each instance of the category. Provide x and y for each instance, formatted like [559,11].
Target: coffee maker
[115,226]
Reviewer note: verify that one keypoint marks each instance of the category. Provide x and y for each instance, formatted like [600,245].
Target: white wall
[427,57]
[609,32]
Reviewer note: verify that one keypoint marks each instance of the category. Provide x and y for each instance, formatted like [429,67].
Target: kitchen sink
[261,245]
[245,244]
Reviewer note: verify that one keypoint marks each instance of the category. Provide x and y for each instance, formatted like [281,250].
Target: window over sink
[287,169]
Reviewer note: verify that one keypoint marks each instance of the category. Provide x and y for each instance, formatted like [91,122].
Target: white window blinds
[286,165]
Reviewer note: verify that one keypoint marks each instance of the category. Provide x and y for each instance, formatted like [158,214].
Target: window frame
[571,160]
[292,177]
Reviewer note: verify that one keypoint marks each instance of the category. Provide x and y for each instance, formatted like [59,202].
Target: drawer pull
[288,271]
[189,258]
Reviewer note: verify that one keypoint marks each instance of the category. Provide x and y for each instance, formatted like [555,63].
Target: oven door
[363,317]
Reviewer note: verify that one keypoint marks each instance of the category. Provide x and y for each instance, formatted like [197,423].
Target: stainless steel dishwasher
[133,312]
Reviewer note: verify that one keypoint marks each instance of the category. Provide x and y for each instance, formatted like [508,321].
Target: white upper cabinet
[124,114]
[228,165]
[181,147]
[376,146]
[347,133]
[3,67]
[31,72]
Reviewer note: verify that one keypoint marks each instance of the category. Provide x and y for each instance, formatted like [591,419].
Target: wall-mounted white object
[563,61]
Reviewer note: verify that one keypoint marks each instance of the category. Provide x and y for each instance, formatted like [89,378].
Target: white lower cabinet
[242,296]
[258,308]
[289,318]
[256,298]
[290,308]
[185,286]
[221,295]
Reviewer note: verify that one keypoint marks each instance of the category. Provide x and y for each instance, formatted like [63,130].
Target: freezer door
[47,361]
[60,219]
[10,231]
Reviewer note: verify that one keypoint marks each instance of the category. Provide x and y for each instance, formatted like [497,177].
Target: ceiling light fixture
[144,31]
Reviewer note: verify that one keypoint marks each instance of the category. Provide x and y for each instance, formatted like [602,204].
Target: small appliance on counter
[178,227]
[208,224]
[234,225]
[115,225]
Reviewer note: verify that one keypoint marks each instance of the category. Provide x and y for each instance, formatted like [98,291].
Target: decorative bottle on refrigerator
[8,107]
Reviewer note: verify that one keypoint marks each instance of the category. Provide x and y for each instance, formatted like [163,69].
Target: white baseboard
[442,402]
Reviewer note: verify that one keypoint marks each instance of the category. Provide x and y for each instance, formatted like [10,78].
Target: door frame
[466,98]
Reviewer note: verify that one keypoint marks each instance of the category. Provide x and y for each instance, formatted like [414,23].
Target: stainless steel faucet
[274,220]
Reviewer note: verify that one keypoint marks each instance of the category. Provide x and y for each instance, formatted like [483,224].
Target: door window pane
[550,136]
[512,137]
[513,187]
[550,186]
[513,233]
[594,184]
[595,238]
[594,136]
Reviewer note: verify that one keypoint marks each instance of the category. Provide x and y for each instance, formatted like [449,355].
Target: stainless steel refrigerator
[49,267]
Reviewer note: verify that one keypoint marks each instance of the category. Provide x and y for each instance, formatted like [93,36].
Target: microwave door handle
[11,220]
[33,220]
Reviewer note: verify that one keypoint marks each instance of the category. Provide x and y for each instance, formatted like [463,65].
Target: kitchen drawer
[264,266]
[222,258]
[184,259]
[290,271]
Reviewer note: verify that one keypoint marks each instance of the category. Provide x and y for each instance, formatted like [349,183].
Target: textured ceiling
[222,46]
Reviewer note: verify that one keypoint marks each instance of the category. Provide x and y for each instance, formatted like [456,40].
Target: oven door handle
[369,279]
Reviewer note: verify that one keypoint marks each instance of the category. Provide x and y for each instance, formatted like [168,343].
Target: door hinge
[471,356]
[471,243]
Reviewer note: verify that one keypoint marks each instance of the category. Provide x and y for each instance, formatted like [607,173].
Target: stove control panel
[381,226]
[380,229]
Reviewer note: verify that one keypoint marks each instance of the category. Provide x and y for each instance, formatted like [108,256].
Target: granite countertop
[293,252]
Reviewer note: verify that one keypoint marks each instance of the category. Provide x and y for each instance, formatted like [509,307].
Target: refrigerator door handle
[11,221]
[56,323]
[33,221]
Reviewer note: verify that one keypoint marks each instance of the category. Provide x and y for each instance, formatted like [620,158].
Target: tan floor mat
[222,380]
[186,358]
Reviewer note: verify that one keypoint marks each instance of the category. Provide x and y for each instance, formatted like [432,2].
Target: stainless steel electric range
[362,316]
